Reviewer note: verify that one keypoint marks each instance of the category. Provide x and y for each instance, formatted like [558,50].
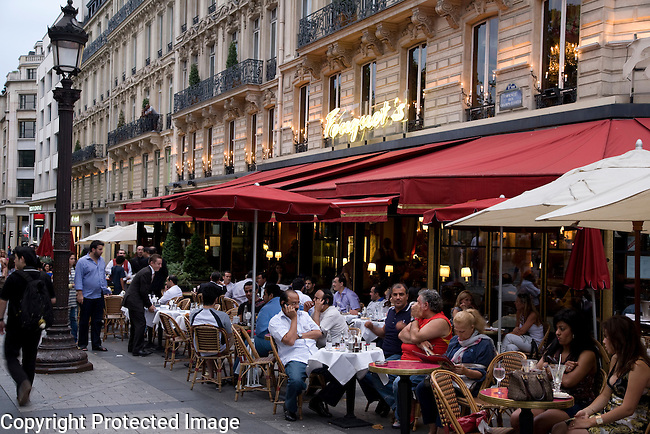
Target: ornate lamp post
[58,352]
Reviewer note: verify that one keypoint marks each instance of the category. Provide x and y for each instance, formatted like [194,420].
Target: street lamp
[58,352]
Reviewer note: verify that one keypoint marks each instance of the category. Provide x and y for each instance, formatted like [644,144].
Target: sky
[23,23]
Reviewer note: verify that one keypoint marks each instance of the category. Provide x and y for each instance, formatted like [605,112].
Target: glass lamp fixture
[388,269]
[372,267]
[269,254]
[68,39]
[466,273]
[278,255]
[444,272]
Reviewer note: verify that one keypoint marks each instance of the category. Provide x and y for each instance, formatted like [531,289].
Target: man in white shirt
[237,292]
[126,265]
[227,281]
[295,335]
[376,305]
[172,290]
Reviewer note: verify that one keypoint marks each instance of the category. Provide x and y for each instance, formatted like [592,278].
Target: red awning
[454,212]
[368,209]
[149,215]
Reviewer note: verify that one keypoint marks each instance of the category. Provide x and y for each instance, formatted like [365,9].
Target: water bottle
[328,342]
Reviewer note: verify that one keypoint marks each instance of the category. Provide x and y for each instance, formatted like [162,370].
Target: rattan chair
[176,300]
[228,303]
[250,360]
[212,346]
[185,304]
[113,316]
[604,357]
[281,379]
[511,361]
[446,385]
[174,337]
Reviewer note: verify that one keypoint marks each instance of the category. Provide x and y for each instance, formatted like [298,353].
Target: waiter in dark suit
[137,300]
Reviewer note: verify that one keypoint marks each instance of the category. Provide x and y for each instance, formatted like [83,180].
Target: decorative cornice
[387,34]
[268,99]
[339,56]
[370,46]
[450,10]
[423,21]
[232,110]
[309,66]
[252,103]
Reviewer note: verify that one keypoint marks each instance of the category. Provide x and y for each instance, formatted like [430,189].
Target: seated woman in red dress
[429,333]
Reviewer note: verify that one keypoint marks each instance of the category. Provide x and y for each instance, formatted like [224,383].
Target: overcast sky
[23,23]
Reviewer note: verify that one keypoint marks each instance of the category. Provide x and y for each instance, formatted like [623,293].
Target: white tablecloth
[344,366]
[359,323]
[153,318]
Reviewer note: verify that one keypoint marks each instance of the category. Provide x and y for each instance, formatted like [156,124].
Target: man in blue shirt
[90,283]
[268,311]
[346,300]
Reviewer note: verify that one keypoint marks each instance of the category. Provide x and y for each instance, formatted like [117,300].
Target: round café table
[404,368]
[499,396]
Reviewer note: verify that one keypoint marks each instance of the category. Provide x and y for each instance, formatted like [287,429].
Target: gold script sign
[355,128]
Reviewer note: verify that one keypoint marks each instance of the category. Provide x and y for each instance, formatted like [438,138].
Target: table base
[349,422]
[526,421]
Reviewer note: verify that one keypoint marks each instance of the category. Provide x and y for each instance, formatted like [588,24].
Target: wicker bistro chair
[211,346]
[177,300]
[113,316]
[185,304]
[446,385]
[250,360]
[175,338]
[228,303]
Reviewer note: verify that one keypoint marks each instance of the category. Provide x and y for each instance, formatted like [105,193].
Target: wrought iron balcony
[116,81]
[195,20]
[144,192]
[247,72]
[123,75]
[480,112]
[133,71]
[229,170]
[90,152]
[168,121]
[183,27]
[170,45]
[338,15]
[207,173]
[156,191]
[301,146]
[556,96]
[113,196]
[271,66]
[160,53]
[212,8]
[147,61]
[134,129]
[130,194]
[415,124]
[252,167]
[121,195]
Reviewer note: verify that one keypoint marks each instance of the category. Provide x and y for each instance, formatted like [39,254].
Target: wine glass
[499,374]
[557,371]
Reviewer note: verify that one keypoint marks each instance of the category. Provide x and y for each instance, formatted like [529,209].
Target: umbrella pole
[593,310]
[637,226]
[500,307]
[254,274]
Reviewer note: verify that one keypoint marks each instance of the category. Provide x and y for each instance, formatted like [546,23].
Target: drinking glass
[499,374]
[557,371]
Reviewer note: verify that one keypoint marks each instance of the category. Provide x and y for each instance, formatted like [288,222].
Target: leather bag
[471,422]
[530,386]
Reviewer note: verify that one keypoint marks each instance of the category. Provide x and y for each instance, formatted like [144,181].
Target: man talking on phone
[295,335]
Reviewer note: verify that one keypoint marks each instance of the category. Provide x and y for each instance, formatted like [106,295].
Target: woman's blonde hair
[471,317]
[463,295]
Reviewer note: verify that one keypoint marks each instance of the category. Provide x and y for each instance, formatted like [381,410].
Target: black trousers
[333,391]
[92,314]
[27,341]
[138,327]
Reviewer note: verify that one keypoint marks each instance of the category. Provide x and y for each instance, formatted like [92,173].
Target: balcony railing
[147,61]
[271,66]
[90,152]
[252,167]
[133,71]
[144,192]
[160,53]
[301,147]
[168,121]
[113,23]
[480,112]
[229,170]
[183,27]
[170,45]
[247,72]
[556,96]
[156,191]
[338,15]
[212,8]
[195,20]
[134,129]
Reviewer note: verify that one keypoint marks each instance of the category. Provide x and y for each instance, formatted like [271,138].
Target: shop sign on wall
[355,127]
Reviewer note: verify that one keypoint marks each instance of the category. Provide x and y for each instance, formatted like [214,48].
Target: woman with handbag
[471,352]
[574,347]
[529,327]
[624,404]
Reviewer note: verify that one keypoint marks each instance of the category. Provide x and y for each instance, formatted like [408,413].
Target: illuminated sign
[355,128]
[74,219]
[35,208]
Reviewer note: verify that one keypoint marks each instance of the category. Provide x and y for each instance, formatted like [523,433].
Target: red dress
[413,352]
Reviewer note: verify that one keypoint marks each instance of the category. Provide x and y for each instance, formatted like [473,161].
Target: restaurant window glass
[335,92]
[417,74]
[560,39]
[303,116]
[484,62]
[368,83]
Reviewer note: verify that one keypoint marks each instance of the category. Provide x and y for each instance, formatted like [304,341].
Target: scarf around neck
[465,344]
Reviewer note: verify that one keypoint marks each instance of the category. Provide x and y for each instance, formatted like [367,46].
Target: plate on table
[561,395]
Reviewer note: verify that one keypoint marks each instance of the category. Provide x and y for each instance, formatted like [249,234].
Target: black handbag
[530,386]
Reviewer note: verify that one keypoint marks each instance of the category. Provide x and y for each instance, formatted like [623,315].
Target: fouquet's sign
[355,128]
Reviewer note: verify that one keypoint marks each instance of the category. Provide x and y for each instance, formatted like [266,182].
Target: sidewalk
[140,388]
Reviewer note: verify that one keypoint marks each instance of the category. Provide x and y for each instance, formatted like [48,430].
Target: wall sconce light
[425,228]
[265,247]
[278,255]
[190,182]
[345,261]
[444,272]
[372,267]
[465,98]
[269,254]
[536,82]
[531,264]
[466,273]
[420,219]
[388,269]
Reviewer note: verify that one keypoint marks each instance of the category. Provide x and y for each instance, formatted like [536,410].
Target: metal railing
[212,8]
[147,61]
[183,27]
[556,96]
[247,72]
[195,20]
[168,121]
[252,167]
[480,112]
[134,129]
[170,45]
[229,170]
[160,53]
[301,146]
[271,66]
[338,15]
[90,152]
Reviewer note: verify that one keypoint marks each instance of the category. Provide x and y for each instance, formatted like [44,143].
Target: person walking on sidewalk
[19,338]
[90,284]
[137,300]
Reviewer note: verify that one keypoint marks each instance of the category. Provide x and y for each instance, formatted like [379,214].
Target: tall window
[148,41]
[31,73]
[335,91]
[114,180]
[25,187]
[134,47]
[211,61]
[234,39]
[207,159]
[417,74]
[184,151]
[368,87]
[145,170]
[170,96]
[560,38]
[26,129]
[120,183]
[230,152]
[484,62]
[160,33]
[131,166]
[253,138]
[170,20]
[192,154]
[184,72]
[274,32]
[306,8]
[256,39]
[156,168]
[28,102]
[303,116]
[270,134]
[26,158]
[168,165]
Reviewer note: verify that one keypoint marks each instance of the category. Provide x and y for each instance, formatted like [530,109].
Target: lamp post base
[58,354]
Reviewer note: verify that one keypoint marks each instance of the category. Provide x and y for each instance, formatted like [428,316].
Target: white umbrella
[101,235]
[624,208]
[114,234]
